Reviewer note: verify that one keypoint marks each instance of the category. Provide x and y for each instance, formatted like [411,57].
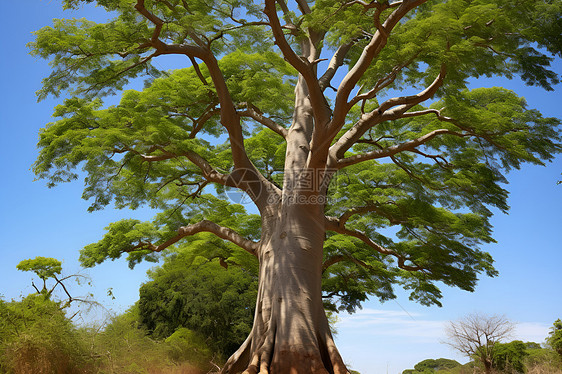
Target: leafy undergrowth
[36,337]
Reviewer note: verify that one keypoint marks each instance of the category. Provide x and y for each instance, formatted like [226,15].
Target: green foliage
[44,267]
[200,295]
[545,358]
[36,337]
[438,364]
[431,366]
[121,234]
[187,345]
[510,357]
[124,347]
[555,336]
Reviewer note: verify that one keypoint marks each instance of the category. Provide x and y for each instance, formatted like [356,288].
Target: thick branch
[372,50]
[335,63]
[304,65]
[362,210]
[406,102]
[391,109]
[303,6]
[209,173]
[203,226]
[339,258]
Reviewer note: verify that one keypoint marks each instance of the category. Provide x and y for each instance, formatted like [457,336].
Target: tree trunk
[291,332]
[487,366]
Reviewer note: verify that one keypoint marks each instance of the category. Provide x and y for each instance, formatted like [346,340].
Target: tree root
[264,355]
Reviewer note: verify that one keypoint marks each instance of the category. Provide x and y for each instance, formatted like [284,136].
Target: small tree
[50,268]
[478,335]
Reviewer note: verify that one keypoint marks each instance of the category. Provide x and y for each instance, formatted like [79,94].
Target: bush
[124,347]
[37,338]
[186,345]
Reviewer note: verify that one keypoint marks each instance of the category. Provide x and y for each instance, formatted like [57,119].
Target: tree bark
[291,333]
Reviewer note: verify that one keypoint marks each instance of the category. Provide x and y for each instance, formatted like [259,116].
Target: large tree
[297,105]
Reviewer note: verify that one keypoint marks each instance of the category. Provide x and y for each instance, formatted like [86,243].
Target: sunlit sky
[381,338]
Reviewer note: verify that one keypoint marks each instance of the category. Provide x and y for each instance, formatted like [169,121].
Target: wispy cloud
[399,323]
[531,331]
[392,323]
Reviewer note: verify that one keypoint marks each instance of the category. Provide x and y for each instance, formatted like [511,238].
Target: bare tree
[477,334]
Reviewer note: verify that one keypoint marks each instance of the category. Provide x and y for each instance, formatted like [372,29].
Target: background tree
[431,366]
[554,339]
[435,365]
[510,357]
[36,336]
[477,335]
[200,295]
[305,87]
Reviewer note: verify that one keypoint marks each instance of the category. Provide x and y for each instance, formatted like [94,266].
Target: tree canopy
[163,147]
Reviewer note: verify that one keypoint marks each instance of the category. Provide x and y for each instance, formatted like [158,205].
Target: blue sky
[387,338]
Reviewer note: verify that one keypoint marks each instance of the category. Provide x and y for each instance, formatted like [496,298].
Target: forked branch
[257,115]
[305,65]
[393,150]
[391,109]
[370,52]
[334,224]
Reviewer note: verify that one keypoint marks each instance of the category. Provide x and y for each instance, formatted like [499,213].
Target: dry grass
[178,369]
[30,358]
[544,369]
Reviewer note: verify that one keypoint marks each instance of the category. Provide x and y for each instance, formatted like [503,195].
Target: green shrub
[186,345]
[124,347]
[37,338]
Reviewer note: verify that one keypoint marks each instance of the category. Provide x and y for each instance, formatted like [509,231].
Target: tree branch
[400,104]
[406,102]
[203,226]
[333,224]
[335,63]
[378,41]
[391,151]
[339,258]
[253,112]
[304,65]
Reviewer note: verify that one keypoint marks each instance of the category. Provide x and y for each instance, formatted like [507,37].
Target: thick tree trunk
[290,333]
